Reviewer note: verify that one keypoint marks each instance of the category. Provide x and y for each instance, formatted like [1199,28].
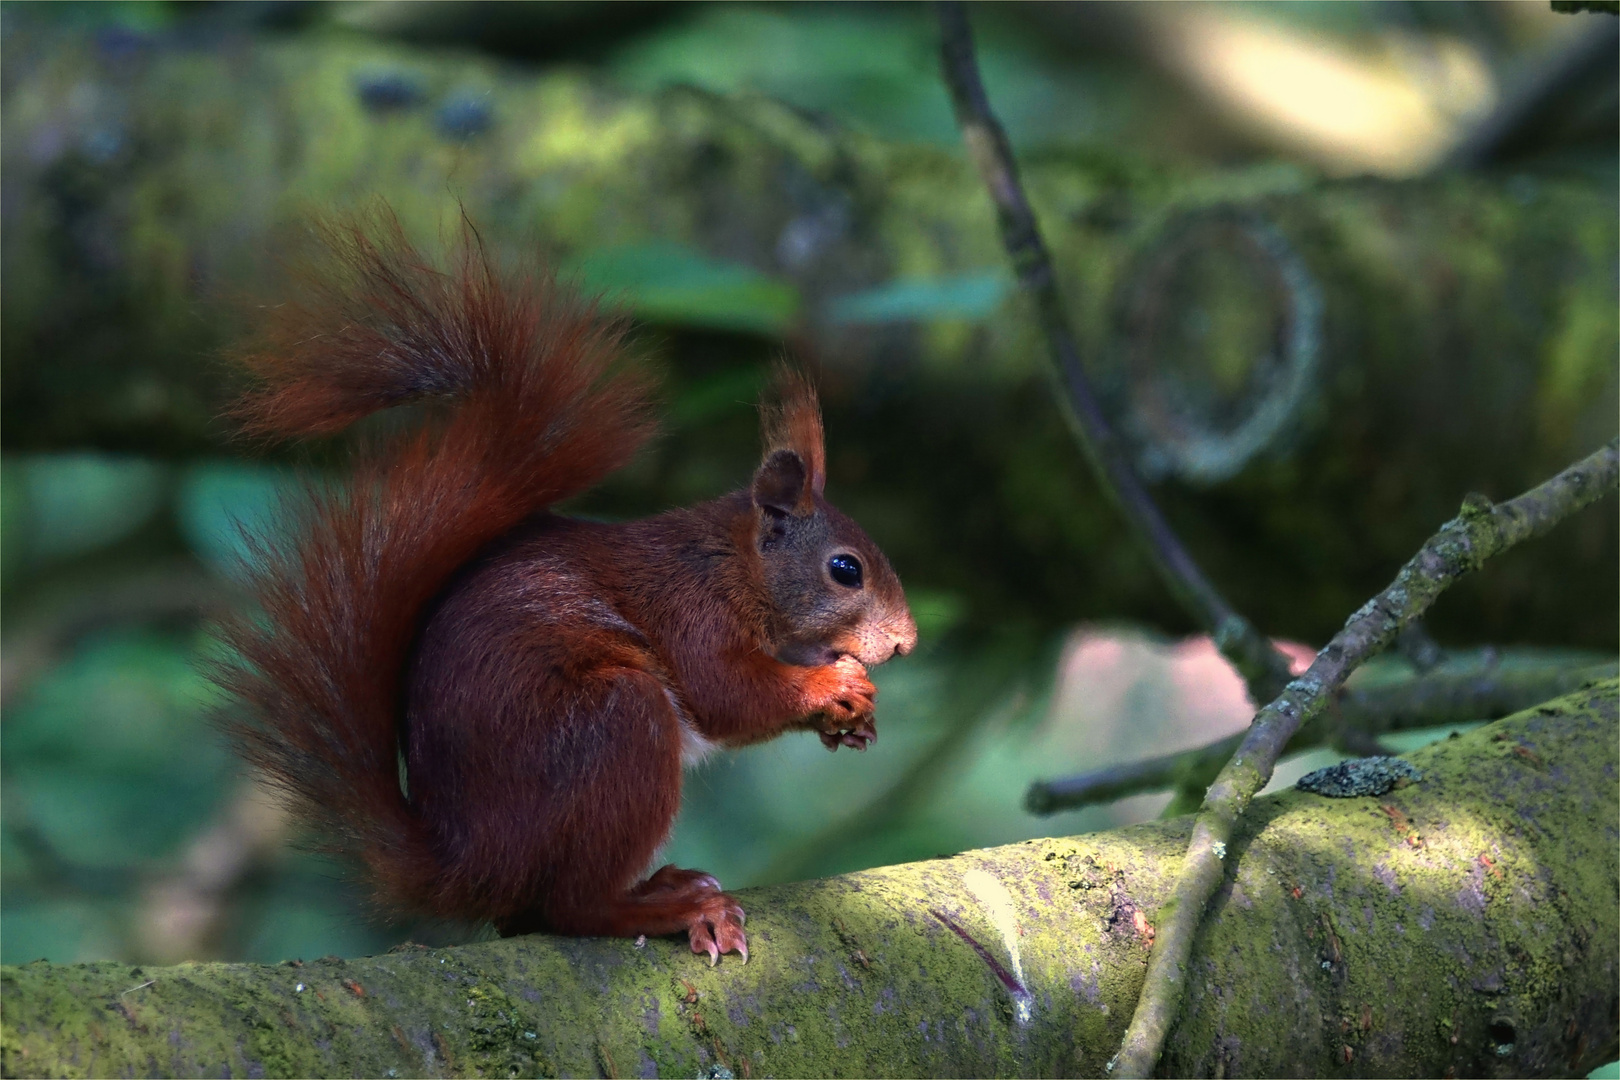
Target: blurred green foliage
[219,505]
[967,297]
[106,753]
[69,505]
[873,67]
[671,284]
[111,769]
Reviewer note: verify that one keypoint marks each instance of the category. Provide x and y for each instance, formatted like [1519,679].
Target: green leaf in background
[217,501]
[62,931]
[118,821]
[704,399]
[14,519]
[110,753]
[665,282]
[140,16]
[936,611]
[846,61]
[969,297]
[124,701]
[293,922]
[61,505]
[873,68]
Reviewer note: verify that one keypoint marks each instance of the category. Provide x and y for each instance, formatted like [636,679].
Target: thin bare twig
[184,912]
[1558,83]
[1454,693]
[1264,669]
[1462,545]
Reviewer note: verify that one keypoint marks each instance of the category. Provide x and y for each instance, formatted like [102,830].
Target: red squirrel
[486,703]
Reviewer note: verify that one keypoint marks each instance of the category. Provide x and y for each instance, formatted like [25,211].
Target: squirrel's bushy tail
[538,408]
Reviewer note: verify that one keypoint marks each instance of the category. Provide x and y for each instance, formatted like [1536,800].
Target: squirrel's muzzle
[880,640]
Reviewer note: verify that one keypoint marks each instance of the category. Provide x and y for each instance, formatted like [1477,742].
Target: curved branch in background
[1263,667]
[1458,692]
[1462,545]
[1202,398]
[1569,90]
[184,912]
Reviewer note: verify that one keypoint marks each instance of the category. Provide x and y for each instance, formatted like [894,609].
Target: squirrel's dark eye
[846,570]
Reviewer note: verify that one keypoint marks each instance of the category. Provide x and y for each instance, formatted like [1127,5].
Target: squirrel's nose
[904,635]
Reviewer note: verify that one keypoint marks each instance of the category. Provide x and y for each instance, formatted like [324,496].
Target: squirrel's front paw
[846,706]
[859,737]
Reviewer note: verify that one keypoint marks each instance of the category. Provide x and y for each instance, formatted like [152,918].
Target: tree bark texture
[1467,924]
[1313,371]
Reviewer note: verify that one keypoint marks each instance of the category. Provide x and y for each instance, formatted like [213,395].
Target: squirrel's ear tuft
[782,484]
[791,421]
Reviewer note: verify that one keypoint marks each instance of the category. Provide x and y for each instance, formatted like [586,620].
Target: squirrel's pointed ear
[792,429]
[782,484]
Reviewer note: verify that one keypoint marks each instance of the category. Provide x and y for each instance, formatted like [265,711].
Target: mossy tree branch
[1461,546]
[1466,923]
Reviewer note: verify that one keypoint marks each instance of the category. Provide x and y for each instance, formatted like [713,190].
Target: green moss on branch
[1414,929]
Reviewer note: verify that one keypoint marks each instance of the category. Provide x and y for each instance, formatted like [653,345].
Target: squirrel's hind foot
[714,920]
[716,927]
[670,878]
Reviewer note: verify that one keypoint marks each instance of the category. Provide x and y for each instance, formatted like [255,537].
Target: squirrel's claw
[702,942]
[859,737]
[717,928]
[862,735]
[729,936]
[841,701]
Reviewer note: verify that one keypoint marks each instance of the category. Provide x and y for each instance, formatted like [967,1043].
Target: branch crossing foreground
[1465,923]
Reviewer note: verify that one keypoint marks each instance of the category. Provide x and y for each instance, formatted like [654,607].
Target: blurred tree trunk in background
[1315,371]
